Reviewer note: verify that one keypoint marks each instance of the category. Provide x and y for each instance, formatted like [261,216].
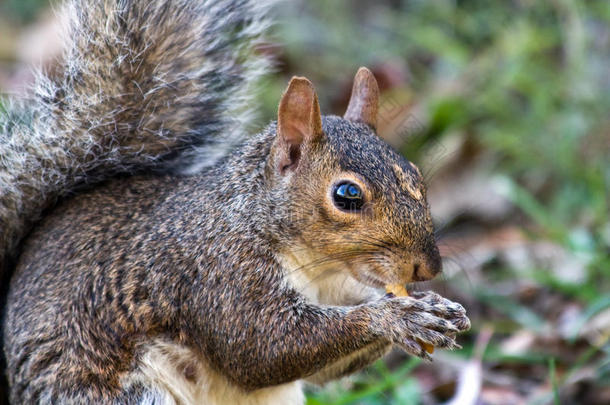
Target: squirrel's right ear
[299,122]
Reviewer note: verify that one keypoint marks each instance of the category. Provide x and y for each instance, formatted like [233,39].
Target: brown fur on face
[391,239]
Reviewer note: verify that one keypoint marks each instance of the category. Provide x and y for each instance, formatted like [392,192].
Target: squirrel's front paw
[447,309]
[423,319]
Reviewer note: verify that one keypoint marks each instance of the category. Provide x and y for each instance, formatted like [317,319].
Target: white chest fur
[325,282]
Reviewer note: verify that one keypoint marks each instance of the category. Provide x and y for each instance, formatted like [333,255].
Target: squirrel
[157,254]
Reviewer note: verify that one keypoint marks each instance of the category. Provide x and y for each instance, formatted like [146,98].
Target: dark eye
[348,196]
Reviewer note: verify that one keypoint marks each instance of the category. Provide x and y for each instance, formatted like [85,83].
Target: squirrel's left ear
[364,102]
[299,122]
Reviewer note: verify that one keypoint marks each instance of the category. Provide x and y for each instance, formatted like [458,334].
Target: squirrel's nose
[423,272]
[429,265]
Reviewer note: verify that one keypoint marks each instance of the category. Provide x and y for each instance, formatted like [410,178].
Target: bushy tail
[144,85]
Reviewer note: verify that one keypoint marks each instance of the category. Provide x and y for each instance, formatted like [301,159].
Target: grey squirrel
[186,263]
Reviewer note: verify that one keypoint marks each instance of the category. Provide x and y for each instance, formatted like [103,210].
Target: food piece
[400,291]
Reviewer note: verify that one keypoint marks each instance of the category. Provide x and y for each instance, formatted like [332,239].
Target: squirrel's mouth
[402,267]
[372,269]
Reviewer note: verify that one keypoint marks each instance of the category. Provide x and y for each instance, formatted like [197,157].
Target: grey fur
[158,85]
[193,260]
[144,85]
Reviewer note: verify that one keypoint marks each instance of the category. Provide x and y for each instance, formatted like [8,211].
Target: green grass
[378,386]
[23,11]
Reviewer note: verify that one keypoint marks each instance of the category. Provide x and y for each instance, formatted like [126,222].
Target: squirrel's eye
[348,196]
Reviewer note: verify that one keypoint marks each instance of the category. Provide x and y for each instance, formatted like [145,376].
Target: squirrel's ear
[364,102]
[299,121]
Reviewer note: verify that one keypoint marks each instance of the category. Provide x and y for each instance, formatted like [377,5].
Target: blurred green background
[505,107]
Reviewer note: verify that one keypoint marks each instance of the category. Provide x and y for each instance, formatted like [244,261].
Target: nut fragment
[400,291]
[397,289]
